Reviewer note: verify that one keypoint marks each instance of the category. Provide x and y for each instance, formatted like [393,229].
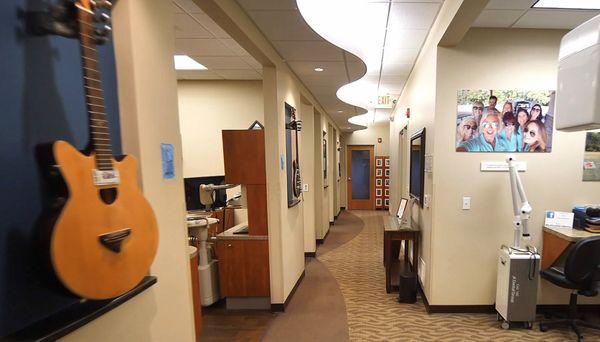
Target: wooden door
[361,177]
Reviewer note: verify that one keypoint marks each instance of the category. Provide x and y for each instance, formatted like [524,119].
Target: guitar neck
[94,96]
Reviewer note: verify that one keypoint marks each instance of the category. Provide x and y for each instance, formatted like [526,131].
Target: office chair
[580,274]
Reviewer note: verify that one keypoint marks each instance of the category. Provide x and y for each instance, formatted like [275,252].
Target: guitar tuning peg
[98,4]
[101,40]
[103,31]
[102,18]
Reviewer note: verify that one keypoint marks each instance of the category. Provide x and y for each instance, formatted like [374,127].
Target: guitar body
[80,260]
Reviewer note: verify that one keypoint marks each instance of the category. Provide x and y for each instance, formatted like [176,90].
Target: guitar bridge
[114,240]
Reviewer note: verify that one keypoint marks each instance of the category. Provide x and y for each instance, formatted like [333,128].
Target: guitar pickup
[106,177]
[114,240]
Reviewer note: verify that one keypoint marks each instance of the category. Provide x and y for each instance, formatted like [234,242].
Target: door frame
[360,204]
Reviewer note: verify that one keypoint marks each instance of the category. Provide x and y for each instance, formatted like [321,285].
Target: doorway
[361,177]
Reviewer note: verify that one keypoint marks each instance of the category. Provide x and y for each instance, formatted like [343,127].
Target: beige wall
[419,96]
[369,137]
[495,59]
[143,35]
[307,167]
[205,109]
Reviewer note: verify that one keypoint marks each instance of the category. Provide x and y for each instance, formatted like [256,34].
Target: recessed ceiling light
[340,111]
[319,69]
[570,4]
[183,62]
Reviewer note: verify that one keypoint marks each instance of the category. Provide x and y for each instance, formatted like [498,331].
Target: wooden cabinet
[244,268]
[244,156]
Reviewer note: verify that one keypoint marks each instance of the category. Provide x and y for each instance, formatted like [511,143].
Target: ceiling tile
[352,58]
[554,19]
[222,62]
[497,18]
[197,75]
[510,4]
[405,39]
[356,70]
[241,74]
[202,47]
[308,51]
[412,15]
[210,25]
[332,81]
[397,69]
[250,5]
[308,68]
[400,56]
[187,5]
[283,25]
[187,27]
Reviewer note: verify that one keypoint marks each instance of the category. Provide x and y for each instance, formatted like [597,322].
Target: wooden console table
[394,234]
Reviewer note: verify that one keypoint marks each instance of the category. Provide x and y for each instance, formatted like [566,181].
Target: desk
[394,233]
[556,240]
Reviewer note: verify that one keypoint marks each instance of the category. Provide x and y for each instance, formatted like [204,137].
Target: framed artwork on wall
[325,158]
[387,182]
[377,192]
[387,172]
[387,162]
[386,202]
[378,202]
[378,162]
[294,183]
[504,120]
[378,172]
[378,182]
[387,192]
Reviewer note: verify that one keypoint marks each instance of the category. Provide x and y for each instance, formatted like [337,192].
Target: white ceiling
[304,50]
[519,14]
[199,37]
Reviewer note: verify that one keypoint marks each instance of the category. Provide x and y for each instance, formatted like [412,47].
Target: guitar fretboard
[94,95]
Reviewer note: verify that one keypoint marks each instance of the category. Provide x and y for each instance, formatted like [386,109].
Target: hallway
[342,297]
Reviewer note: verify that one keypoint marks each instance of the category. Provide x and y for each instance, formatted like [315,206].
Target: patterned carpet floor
[374,315]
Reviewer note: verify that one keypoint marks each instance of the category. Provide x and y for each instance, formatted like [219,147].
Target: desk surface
[392,224]
[568,234]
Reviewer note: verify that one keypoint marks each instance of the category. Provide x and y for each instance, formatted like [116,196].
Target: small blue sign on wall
[168,162]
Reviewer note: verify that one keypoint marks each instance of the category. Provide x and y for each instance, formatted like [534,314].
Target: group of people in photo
[521,126]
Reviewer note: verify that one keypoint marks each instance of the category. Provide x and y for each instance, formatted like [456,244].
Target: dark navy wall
[41,100]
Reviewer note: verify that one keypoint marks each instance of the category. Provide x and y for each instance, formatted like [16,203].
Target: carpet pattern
[374,315]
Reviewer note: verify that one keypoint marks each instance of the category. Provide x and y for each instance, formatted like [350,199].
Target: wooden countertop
[568,234]
[229,234]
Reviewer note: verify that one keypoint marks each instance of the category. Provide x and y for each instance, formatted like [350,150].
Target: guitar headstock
[98,18]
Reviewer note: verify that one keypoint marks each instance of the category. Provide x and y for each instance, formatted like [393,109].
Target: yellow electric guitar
[106,237]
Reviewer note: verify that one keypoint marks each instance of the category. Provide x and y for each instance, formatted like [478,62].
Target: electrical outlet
[305,187]
[466,203]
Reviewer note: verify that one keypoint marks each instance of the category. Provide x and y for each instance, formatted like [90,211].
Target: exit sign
[384,101]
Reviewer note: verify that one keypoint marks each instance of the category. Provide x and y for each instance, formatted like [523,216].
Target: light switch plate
[466,203]
[305,187]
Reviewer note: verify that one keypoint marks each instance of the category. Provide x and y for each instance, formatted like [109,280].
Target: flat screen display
[417,164]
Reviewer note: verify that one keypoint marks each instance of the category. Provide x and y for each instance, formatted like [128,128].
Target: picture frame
[378,192]
[387,182]
[378,182]
[386,202]
[387,172]
[387,192]
[378,162]
[387,162]
[378,202]
[378,172]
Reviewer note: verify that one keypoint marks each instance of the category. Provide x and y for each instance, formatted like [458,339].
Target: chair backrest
[582,266]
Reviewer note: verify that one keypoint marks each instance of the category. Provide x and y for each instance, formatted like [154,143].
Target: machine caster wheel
[528,325]
[543,327]
[505,325]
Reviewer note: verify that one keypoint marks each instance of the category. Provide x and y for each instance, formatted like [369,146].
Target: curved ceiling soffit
[341,23]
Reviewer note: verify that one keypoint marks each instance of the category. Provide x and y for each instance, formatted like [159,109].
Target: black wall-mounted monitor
[417,166]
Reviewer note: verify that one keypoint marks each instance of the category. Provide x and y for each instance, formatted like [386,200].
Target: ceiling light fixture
[319,69]
[183,62]
[570,4]
[340,111]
